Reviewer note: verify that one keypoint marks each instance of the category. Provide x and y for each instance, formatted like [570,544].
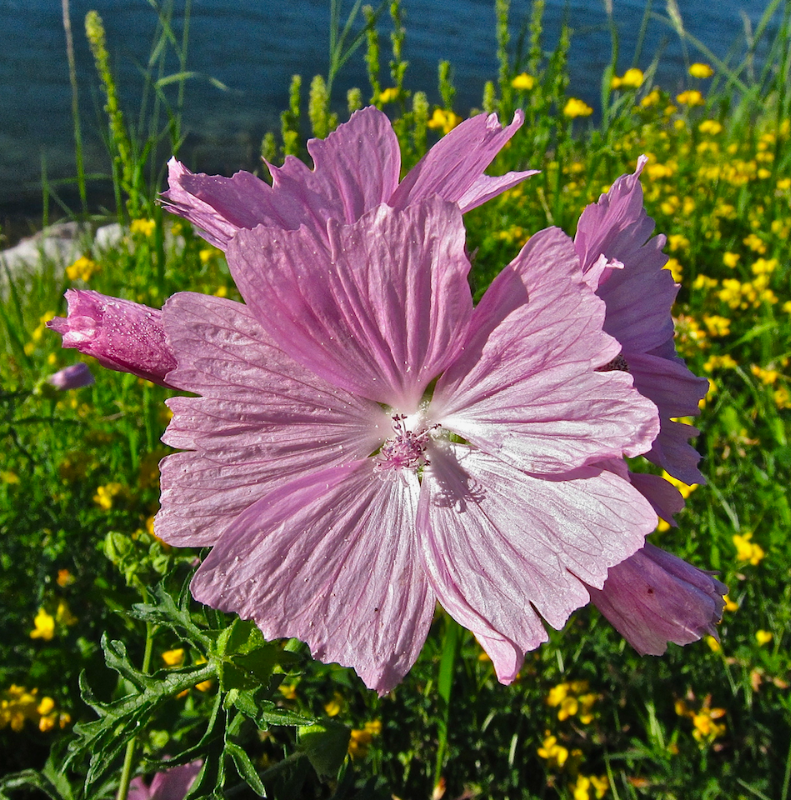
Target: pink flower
[119,334]
[170,785]
[654,597]
[77,376]
[356,169]
[365,443]
[625,268]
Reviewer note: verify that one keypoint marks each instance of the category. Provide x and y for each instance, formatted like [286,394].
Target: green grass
[78,486]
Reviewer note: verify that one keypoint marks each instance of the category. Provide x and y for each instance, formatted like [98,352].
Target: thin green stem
[131,747]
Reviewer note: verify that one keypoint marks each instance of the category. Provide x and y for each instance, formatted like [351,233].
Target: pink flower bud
[76,376]
[119,334]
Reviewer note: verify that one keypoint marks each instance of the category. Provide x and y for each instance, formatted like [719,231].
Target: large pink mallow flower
[119,334]
[356,168]
[365,443]
[626,269]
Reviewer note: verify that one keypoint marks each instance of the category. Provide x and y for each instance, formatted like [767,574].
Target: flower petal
[525,389]
[501,547]
[380,314]
[174,783]
[664,498]
[654,598]
[453,168]
[330,559]
[356,169]
[119,334]
[262,419]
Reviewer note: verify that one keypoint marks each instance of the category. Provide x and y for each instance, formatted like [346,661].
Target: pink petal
[262,419]
[654,597]
[356,169]
[174,783]
[524,388]
[138,790]
[330,559]
[664,498]
[453,168]
[673,452]
[501,547]
[380,314]
[119,334]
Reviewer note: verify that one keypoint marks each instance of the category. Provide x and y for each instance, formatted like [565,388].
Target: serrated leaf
[177,617]
[245,768]
[27,778]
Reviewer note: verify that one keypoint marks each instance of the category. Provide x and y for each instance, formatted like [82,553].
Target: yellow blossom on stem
[692,97]
[713,644]
[730,259]
[651,99]
[63,615]
[747,550]
[766,376]
[716,325]
[576,108]
[557,694]
[698,70]
[82,269]
[389,94]
[44,626]
[763,637]
[730,605]
[675,268]
[523,82]
[360,739]
[145,227]
[685,489]
[555,754]
[64,579]
[335,706]
[755,243]
[710,126]
[443,120]
[782,398]
[105,494]
[173,658]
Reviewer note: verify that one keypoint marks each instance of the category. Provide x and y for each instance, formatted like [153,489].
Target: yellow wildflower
[675,269]
[581,788]
[173,658]
[651,99]
[784,184]
[335,706]
[105,494]
[747,550]
[63,615]
[713,644]
[64,579]
[44,626]
[443,120]
[766,376]
[389,94]
[782,398]
[763,637]
[698,70]
[705,727]
[555,754]
[710,126]
[206,254]
[288,690]
[730,259]
[222,291]
[82,269]
[692,97]
[576,108]
[568,708]
[677,241]
[142,226]
[685,489]
[600,785]
[523,82]
[755,243]
[360,739]
[656,171]
[730,605]
[557,694]
[717,325]
[632,79]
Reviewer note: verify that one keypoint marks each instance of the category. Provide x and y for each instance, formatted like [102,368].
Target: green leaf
[245,768]
[325,743]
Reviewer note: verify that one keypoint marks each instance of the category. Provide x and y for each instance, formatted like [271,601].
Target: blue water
[254,46]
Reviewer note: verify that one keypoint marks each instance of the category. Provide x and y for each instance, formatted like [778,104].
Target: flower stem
[131,747]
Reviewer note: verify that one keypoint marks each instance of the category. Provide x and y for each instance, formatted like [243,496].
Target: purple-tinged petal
[654,598]
[331,559]
[501,547]
[119,334]
[380,314]
[487,187]
[173,784]
[676,392]
[261,420]
[524,388]
[452,169]
[664,498]
[138,790]
[77,376]
[356,169]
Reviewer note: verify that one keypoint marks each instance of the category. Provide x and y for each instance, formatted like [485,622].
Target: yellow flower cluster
[587,783]
[715,362]
[632,79]
[766,376]
[105,494]
[18,705]
[747,550]
[83,269]
[716,325]
[572,699]
[443,120]
[698,70]
[38,332]
[523,82]
[45,625]
[144,227]
[691,97]
[360,739]
[686,490]
[555,754]
[388,95]
[576,108]
[763,637]
[705,729]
